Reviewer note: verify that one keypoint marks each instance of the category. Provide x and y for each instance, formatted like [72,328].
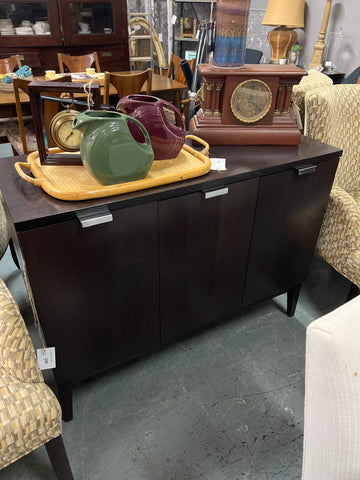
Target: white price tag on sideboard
[173,19]
[218,163]
[46,358]
[160,37]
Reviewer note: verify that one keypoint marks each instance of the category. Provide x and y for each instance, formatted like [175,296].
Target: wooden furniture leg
[65,399]
[58,458]
[177,99]
[292,299]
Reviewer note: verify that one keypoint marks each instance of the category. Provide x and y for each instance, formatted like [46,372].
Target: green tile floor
[223,404]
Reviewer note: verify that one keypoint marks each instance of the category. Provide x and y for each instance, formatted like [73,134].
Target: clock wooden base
[247,106]
[283,131]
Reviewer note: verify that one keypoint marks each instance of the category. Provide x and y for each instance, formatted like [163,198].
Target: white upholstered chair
[332,396]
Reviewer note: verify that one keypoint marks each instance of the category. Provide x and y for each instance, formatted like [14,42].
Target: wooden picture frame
[36,89]
[188,27]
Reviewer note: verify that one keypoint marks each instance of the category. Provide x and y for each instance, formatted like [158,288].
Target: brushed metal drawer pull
[306,170]
[216,193]
[94,217]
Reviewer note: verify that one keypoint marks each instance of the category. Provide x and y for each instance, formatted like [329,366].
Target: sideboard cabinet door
[288,218]
[204,244]
[96,288]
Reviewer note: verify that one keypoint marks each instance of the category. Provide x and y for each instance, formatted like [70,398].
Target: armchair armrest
[339,238]
[17,354]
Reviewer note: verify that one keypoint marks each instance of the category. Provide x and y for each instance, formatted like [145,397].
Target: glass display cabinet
[99,20]
[38,30]
[29,23]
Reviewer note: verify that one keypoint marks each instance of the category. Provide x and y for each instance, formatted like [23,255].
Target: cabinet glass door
[83,20]
[91,18]
[30,22]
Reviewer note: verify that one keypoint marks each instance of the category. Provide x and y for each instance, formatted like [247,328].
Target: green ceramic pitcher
[109,151]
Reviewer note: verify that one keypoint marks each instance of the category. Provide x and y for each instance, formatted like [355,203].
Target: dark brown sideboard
[173,258]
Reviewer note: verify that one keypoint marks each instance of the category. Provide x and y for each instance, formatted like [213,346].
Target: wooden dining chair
[7,65]
[176,73]
[127,84]
[22,137]
[78,63]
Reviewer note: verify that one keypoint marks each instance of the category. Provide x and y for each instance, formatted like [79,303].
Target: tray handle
[205,151]
[19,166]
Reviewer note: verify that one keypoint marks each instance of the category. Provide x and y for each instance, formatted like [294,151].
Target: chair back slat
[175,71]
[7,65]
[78,63]
[127,84]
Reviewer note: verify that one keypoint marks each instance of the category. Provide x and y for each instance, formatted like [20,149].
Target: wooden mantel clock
[247,106]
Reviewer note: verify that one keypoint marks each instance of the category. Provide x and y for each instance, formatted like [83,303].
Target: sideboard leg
[292,299]
[59,459]
[65,398]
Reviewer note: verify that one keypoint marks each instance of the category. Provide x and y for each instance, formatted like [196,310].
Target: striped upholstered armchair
[312,80]
[30,415]
[4,229]
[332,115]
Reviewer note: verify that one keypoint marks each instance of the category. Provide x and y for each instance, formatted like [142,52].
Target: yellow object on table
[69,182]
[79,77]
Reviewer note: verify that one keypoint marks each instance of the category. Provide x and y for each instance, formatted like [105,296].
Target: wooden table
[162,87]
[169,259]
[336,77]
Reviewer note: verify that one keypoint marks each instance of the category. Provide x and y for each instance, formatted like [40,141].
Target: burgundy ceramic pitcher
[166,139]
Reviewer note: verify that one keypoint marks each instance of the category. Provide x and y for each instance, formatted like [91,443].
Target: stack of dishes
[41,28]
[84,27]
[6,27]
[24,31]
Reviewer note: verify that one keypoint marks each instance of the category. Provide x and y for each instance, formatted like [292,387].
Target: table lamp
[285,15]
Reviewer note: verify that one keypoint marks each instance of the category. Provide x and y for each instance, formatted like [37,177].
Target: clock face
[62,132]
[251,100]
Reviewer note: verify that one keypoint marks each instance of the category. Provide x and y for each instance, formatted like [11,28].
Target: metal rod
[71,101]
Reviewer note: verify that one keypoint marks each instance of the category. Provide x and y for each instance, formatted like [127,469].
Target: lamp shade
[285,12]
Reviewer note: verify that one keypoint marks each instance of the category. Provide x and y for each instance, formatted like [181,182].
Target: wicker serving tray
[68,182]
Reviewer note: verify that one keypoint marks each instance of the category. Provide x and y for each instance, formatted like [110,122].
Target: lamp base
[281,40]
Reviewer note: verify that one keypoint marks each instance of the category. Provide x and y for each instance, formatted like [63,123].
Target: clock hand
[67,138]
